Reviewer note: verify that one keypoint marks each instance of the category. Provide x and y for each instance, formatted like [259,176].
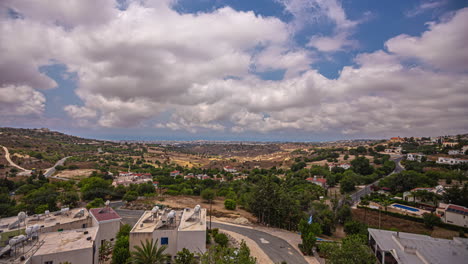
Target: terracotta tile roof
[104,214]
[457,209]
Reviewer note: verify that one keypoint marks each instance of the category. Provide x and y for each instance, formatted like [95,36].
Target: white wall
[74,257]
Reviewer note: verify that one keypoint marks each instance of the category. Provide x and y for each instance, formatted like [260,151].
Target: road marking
[264,241]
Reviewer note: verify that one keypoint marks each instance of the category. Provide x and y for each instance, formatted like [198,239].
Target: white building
[229,169]
[453,214]
[175,229]
[318,180]
[175,173]
[450,161]
[342,165]
[74,246]
[392,247]
[128,178]
[108,221]
[414,156]
[396,150]
[68,235]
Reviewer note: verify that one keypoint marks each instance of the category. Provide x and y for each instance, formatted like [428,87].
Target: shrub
[431,220]
[230,204]
[130,196]
[97,202]
[221,239]
[208,194]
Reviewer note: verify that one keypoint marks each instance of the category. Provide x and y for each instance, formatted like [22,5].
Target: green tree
[230,204]
[130,196]
[185,257]
[221,239]
[353,250]
[347,184]
[104,251]
[355,228]
[121,252]
[431,220]
[208,194]
[149,253]
[243,254]
[95,187]
[362,166]
[309,233]
[96,203]
[343,214]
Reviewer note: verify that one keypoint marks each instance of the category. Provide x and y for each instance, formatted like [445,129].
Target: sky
[263,70]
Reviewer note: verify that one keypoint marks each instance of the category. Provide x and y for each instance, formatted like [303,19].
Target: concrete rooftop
[56,242]
[415,249]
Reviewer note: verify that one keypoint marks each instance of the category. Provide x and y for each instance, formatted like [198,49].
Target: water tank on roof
[22,216]
[197,208]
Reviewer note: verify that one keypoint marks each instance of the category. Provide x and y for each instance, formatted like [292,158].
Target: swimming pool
[400,206]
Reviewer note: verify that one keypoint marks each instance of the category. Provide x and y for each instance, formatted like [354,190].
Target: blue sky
[293,70]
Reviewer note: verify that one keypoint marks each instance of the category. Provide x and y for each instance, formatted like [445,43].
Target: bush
[208,194]
[172,192]
[221,239]
[130,196]
[431,220]
[97,202]
[230,204]
[355,228]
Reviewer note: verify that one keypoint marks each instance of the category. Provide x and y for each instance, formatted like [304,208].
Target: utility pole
[211,213]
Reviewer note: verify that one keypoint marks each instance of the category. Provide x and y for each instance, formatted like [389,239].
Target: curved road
[48,172]
[52,170]
[277,249]
[356,197]
[7,157]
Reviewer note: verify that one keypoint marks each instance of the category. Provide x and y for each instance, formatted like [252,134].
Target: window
[164,240]
[49,262]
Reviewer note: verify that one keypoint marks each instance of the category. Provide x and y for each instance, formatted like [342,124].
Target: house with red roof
[108,221]
[175,173]
[318,180]
[453,214]
[229,169]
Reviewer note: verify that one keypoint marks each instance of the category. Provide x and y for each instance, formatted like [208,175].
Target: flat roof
[56,242]
[149,222]
[104,214]
[414,248]
[52,219]
[192,221]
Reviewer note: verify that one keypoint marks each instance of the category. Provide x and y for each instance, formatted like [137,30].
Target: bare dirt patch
[75,174]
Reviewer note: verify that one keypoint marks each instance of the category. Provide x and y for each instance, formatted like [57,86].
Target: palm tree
[149,253]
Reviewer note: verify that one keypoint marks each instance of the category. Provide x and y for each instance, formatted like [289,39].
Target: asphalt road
[356,197]
[128,216]
[274,247]
[52,170]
